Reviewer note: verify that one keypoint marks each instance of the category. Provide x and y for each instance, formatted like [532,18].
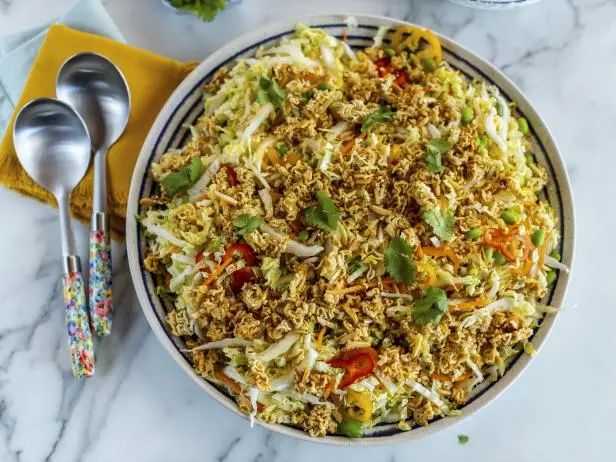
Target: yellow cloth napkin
[151,79]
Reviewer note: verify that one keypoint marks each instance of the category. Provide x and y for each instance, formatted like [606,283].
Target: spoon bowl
[52,144]
[98,91]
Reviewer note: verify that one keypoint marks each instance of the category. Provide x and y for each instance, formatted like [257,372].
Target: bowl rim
[496,77]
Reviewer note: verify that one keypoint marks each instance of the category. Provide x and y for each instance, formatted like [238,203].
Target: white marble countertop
[141,407]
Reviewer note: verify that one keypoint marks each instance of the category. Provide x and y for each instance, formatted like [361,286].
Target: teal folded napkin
[17,51]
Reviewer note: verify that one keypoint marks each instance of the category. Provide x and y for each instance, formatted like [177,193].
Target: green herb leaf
[434,162]
[325,216]
[398,262]
[354,265]
[282,149]
[181,180]
[246,224]
[463,439]
[431,308]
[214,246]
[434,150]
[383,114]
[175,182]
[195,169]
[442,222]
[205,9]
[270,92]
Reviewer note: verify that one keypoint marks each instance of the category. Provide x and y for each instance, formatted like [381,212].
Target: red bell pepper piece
[199,257]
[382,66]
[402,78]
[240,277]
[357,364]
[231,175]
[244,250]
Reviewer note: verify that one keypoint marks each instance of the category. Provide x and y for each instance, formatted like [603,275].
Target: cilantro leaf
[325,215]
[439,144]
[442,222]
[383,114]
[184,178]
[435,148]
[463,439]
[215,245]
[398,262]
[205,9]
[269,91]
[433,161]
[282,149]
[246,224]
[431,308]
[354,265]
[195,169]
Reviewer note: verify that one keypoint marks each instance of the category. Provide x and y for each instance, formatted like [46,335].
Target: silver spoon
[53,146]
[97,90]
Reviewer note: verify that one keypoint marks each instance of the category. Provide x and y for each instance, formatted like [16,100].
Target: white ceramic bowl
[185,106]
[494,4]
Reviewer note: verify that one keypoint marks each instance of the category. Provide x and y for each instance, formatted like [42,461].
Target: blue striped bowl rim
[185,106]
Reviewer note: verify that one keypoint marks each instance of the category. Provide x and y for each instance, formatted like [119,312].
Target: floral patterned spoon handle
[80,345]
[100,275]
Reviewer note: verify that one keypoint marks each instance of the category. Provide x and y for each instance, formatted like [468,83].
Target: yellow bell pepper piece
[412,37]
[359,405]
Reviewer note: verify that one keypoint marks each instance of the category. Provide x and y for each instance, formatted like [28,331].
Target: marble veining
[141,407]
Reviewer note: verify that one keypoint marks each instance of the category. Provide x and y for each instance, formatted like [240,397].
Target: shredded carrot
[311,76]
[441,377]
[202,197]
[291,158]
[347,290]
[467,375]
[217,271]
[329,388]
[442,202]
[442,252]
[228,381]
[468,306]
[447,378]
[348,145]
[320,338]
[524,269]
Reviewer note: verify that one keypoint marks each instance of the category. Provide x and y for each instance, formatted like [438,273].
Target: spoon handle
[100,275]
[80,343]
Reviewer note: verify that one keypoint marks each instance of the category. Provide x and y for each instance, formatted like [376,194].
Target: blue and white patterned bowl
[494,4]
[185,106]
